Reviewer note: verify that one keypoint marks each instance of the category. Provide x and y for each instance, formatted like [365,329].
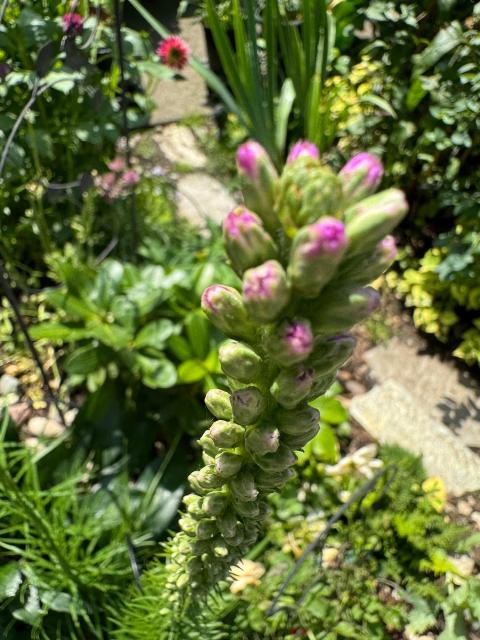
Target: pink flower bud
[315,255]
[303,148]
[248,404]
[361,176]
[371,219]
[246,241]
[225,309]
[291,342]
[258,179]
[265,291]
[130,177]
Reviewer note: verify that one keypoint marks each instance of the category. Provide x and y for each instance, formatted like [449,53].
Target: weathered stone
[199,196]
[463,508]
[45,427]
[439,388]
[177,143]
[20,412]
[391,414]
[8,384]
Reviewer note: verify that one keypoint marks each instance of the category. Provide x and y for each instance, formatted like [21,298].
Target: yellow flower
[436,492]
[244,574]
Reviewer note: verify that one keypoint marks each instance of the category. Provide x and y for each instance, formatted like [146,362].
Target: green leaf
[61,80]
[445,40]
[283,110]
[83,361]
[324,445]
[157,373]
[57,331]
[180,347]
[379,102]
[155,334]
[415,94]
[155,69]
[198,332]
[191,371]
[10,580]
[331,410]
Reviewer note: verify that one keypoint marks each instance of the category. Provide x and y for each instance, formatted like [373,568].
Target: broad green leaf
[57,601]
[155,70]
[157,373]
[83,361]
[325,444]
[283,110]
[445,40]
[10,580]
[180,347]
[61,80]
[416,93]
[331,410]
[155,334]
[191,371]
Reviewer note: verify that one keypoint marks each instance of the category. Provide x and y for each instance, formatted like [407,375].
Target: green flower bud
[225,309]
[240,361]
[264,509]
[316,252]
[290,342]
[248,404]
[192,502]
[218,403]
[371,219]
[228,524]
[270,480]
[208,444]
[297,420]
[220,550]
[207,459]
[292,385]
[246,241]
[247,509]
[214,503]
[227,464]
[188,525]
[207,477]
[341,312]
[265,291]
[258,181]
[278,461]
[226,434]
[307,190]
[331,353]
[321,386]
[206,529]
[300,439]
[243,486]
[261,440]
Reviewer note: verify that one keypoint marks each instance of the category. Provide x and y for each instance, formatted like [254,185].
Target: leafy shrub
[437,128]
[60,78]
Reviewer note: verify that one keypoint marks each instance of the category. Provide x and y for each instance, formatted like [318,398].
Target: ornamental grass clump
[306,244]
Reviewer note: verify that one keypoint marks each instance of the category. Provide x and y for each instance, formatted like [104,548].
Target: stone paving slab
[444,392]
[187,96]
[392,415]
[200,196]
[178,145]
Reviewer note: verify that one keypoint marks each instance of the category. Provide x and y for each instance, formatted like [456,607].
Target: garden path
[426,405]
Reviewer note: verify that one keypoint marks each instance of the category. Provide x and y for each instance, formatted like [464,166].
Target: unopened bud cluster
[305,244]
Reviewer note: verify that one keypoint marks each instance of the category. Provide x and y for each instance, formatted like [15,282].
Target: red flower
[72,23]
[174,52]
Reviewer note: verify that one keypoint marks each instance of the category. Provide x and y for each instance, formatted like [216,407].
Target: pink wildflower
[72,23]
[174,52]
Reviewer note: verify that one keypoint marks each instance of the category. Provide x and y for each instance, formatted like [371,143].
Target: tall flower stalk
[306,244]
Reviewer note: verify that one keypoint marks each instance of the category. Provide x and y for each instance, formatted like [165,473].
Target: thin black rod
[126,130]
[320,540]
[31,346]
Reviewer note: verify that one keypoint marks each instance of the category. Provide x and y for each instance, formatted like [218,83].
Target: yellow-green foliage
[438,304]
